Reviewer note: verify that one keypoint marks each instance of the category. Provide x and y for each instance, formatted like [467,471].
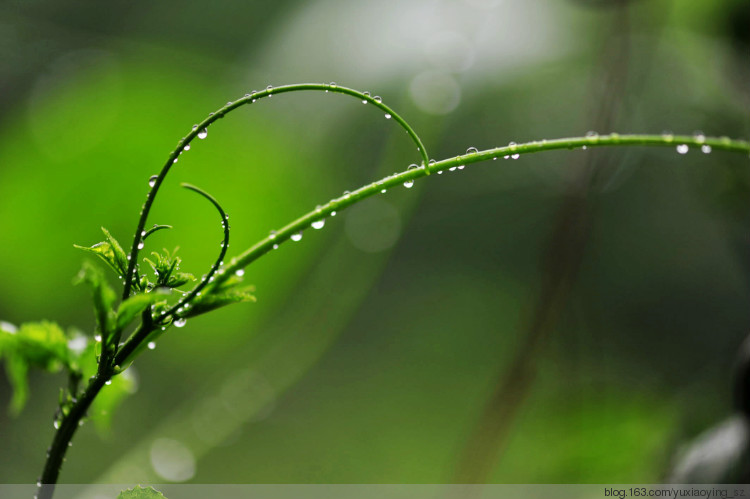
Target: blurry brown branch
[560,264]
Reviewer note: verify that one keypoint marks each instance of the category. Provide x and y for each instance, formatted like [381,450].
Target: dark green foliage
[110,251]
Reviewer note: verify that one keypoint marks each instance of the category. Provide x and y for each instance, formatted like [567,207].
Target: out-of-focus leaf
[17,370]
[110,397]
[104,299]
[139,492]
[43,345]
[38,344]
[110,251]
[133,306]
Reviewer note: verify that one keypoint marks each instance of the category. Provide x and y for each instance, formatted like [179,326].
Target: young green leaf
[219,297]
[110,251]
[139,492]
[166,267]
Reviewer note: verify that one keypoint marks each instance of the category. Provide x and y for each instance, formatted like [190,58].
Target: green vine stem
[113,362]
[682,143]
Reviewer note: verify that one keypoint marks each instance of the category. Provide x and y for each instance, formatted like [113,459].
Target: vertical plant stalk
[68,426]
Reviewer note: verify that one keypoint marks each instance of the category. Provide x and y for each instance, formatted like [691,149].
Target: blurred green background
[572,316]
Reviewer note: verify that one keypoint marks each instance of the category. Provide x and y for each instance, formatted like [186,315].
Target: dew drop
[452,169]
[174,160]
[140,245]
[366,94]
[180,322]
[56,424]
[272,235]
[318,224]
[409,183]
[512,146]
[387,116]
[683,148]
[108,382]
[592,135]
[151,345]
[515,156]
[440,172]
[240,272]
[706,149]
[333,213]
[347,194]
[98,337]
[297,237]
[584,147]
[275,246]
[699,137]
[152,180]
[203,133]
[461,167]
[186,148]
[332,84]
[383,191]
[472,150]
[377,98]
[667,135]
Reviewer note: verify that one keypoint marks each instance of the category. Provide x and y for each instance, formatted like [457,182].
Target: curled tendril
[220,113]
[154,229]
[185,301]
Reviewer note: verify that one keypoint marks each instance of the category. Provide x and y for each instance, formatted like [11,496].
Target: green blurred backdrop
[568,317]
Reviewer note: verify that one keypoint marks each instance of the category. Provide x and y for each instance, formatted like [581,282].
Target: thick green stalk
[679,142]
